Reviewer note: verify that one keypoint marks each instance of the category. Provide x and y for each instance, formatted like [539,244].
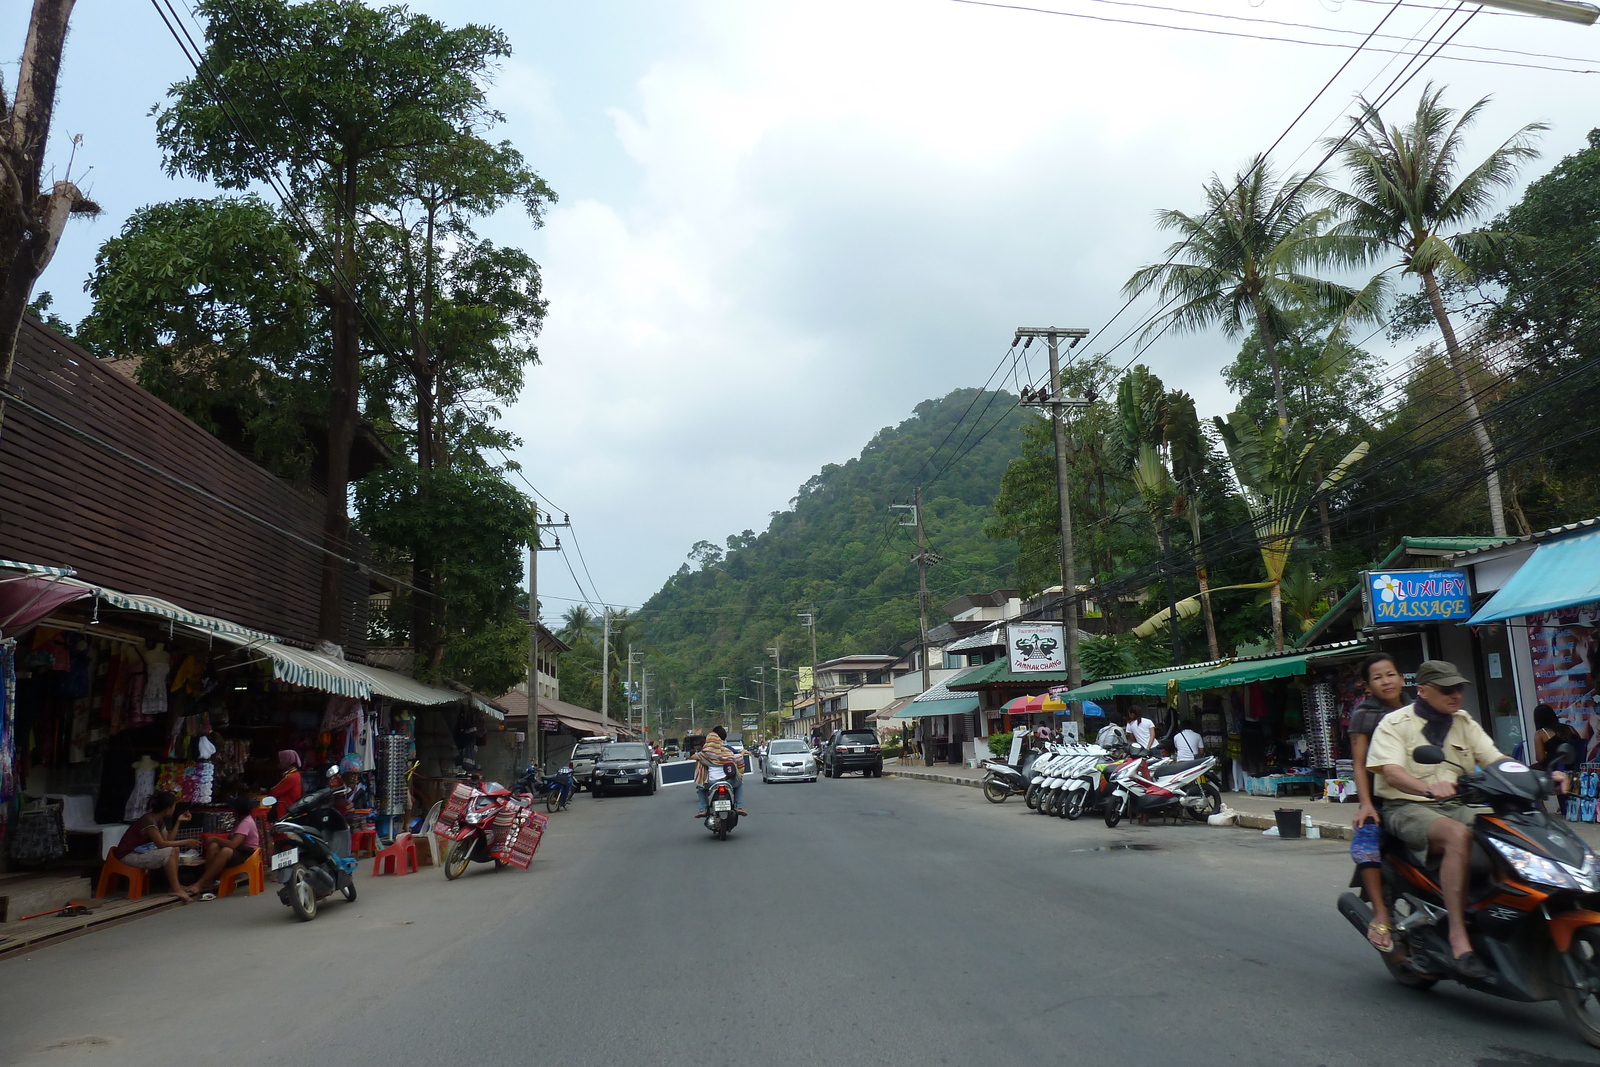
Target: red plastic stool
[363,842]
[397,857]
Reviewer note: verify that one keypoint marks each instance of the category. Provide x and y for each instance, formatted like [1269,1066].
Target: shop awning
[396,686]
[26,599]
[954,705]
[1144,684]
[37,568]
[1242,672]
[1558,574]
[312,670]
[893,708]
[166,609]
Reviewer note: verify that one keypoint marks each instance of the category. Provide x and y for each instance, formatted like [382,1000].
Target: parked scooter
[311,853]
[1528,905]
[488,800]
[555,790]
[722,814]
[1137,790]
[1001,780]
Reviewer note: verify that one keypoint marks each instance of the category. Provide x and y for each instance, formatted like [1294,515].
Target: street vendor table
[1275,785]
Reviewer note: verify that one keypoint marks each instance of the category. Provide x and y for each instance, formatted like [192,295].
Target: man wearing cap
[1419,799]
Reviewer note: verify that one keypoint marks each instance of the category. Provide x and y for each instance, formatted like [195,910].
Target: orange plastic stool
[138,880]
[397,856]
[363,841]
[252,868]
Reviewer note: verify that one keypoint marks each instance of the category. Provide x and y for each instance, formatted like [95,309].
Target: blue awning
[1558,575]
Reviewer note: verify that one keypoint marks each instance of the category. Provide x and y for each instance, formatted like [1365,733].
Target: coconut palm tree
[1240,263]
[1276,466]
[1409,198]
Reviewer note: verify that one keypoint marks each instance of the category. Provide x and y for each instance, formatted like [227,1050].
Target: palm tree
[1141,443]
[1407,191]
[1276,467]
[1239,264]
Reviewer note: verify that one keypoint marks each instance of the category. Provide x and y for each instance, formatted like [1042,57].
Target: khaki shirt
[1401,731]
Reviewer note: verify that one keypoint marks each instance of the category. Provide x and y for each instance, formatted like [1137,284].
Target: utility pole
[691,716]
[922,559]
[533,626]
[633,700]
[776,648]
[605,666]
[1055,399]
[810,618]
[761,684]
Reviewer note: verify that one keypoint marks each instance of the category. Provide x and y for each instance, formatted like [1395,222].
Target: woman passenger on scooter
[712,764]
[1385,693]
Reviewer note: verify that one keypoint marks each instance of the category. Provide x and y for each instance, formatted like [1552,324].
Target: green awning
[1096,691]
[1243,672]
[1559,574]
[1143,684]
[921,709]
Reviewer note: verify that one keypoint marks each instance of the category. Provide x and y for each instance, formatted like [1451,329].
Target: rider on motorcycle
[714,762]
[1419,799]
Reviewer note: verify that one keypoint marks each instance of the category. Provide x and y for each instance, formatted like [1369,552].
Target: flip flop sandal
[1383,931]
[206,896]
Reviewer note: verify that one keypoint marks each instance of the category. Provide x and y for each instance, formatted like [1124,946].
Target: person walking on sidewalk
[1385,693]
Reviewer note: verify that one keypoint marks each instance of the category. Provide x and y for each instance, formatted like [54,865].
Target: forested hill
[838,547]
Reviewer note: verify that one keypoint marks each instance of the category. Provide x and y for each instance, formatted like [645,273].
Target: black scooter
[306,853]
[722,814]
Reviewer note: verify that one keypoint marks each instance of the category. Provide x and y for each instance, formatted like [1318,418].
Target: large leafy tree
[1243,263]
[323,98]
[1412,199]
[213,299]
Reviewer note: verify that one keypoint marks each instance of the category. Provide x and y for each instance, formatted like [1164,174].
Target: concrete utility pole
[922,559]
[633,702]
[533,627]
[776,648]
[1058,402]
[605,666]
[810,618]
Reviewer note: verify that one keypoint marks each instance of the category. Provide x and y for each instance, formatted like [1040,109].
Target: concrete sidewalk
[1255,813]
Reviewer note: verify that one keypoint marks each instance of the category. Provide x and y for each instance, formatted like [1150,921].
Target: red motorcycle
[488,823]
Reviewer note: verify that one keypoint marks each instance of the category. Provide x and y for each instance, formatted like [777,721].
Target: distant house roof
[966,602]
[1554,533]
[862,660]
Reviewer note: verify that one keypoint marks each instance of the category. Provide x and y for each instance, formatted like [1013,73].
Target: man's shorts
[151,859]
[1409,820]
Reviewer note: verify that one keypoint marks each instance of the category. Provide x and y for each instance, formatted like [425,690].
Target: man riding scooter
[714,762]
[1419,800]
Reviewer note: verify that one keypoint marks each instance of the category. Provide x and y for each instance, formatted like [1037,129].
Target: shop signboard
[549,726]
[1409,597]
[748,722]
[805,677]
[1565,648]
[1036,647]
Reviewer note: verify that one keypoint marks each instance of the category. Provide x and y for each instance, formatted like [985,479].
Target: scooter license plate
[722,805]
[287,858]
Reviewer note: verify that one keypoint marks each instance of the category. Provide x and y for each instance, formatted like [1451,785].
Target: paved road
[847,922]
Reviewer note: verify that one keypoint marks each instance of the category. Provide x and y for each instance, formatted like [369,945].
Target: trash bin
[1289,820]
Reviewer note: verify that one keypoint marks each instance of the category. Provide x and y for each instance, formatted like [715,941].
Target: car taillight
[874,748]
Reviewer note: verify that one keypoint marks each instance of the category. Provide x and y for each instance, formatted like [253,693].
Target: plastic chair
[138,880]
[396,857]
[363,842]
[253,868]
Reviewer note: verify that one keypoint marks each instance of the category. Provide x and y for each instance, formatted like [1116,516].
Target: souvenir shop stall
[111,698]
[1277,723]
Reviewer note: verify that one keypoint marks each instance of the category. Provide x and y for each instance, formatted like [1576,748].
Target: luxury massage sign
[1417,596]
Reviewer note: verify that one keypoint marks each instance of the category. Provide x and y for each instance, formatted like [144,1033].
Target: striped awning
[153,605]
[396,686]
[302,667]
[37,568]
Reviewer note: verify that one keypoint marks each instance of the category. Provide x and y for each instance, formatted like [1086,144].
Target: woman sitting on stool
[230,851]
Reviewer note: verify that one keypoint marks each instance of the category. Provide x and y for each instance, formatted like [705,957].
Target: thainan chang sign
[1416,596]
[1036,648]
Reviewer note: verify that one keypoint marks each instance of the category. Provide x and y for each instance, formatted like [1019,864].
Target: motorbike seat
[1179,766]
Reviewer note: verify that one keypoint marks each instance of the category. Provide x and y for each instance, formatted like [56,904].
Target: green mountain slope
[838,548]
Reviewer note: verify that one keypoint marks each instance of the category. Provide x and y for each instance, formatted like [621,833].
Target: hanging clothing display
[8,722]
[157,663]
[144,785]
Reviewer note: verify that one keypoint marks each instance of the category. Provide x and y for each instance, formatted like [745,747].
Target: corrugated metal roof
[942,691]
[994,637]
[1533,538]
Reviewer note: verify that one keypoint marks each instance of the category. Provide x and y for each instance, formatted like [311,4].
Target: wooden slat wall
[67,501]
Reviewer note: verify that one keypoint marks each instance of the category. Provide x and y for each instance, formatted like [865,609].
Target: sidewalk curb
[1244,820]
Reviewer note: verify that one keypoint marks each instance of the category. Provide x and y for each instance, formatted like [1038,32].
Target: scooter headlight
[1541,871]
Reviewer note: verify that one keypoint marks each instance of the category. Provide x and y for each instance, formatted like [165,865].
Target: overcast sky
[783,224]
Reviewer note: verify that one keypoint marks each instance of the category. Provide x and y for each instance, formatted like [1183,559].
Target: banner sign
[748,722]
[1036,647]
[805,677]
[1398,597]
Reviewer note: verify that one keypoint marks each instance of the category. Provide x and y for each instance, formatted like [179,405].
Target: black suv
[624,765]
[852,750]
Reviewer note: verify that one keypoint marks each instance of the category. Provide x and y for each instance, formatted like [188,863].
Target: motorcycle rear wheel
[460,856]
[1050,803]
[1582,1006]
[1213,803]
[552,801]
[1075,803]
[994,792]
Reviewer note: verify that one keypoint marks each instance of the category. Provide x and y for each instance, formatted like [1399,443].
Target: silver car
[788,759]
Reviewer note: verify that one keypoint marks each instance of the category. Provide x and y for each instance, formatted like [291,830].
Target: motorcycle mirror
[1564,755]
[1429,754]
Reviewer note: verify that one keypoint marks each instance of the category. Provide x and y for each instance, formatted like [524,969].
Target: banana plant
[1276,465]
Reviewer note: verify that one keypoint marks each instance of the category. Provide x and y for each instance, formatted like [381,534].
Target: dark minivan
[852,750]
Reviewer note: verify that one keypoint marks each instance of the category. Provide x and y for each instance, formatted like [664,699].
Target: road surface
[858,921]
